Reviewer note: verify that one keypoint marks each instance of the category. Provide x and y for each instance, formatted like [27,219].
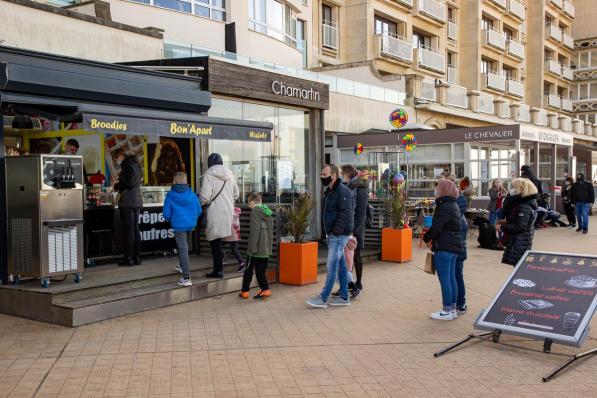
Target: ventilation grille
[21,245]
[62,249]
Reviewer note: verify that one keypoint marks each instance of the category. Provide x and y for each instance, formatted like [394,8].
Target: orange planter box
[396,245]
[298,263]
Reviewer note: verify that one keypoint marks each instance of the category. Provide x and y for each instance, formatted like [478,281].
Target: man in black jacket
[527,172]
[338,224]
[130,204]
[583,197]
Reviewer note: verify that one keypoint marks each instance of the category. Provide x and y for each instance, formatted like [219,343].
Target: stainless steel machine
[45,216]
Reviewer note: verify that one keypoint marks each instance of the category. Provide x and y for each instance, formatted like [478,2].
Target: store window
[488,162]
[273,18]
[212,9]
[562,159]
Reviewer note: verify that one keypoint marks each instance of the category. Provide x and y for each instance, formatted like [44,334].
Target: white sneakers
[444,315]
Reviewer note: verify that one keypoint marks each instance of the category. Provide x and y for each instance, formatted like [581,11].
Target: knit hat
[446,188]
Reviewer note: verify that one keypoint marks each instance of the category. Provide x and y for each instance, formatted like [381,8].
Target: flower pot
[396,245]
[298,263]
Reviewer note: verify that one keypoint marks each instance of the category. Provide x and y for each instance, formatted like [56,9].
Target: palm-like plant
[298,217]
[395,206]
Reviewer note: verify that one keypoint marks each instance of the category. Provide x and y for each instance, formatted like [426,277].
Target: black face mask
[326,180]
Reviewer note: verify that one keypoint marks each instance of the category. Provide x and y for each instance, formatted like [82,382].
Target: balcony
[554,32]
[553,66]
[516,9]
[429,58]
[395,47]
[567,73]
[569,8]
[567,104]
[557,3]
[435,9]
[494,39]
[515,88]
[452,75]
[457,96]
[452,30]
[406,2]
[493,81]
[524,113]
[552,100]
[428,90]
[499,3]
[485,103]
[515,49]
[568,40]
[329,34]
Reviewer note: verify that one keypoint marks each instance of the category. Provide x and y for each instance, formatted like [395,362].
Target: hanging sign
[548,296]
[409,142]
[398,118]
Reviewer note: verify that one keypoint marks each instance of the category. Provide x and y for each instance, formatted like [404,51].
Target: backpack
[369,216]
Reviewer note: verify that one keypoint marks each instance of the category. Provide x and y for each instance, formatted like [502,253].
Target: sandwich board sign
[548,296]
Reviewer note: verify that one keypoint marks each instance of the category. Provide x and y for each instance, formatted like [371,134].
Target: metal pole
[3,212]
[568,363]
[466,339]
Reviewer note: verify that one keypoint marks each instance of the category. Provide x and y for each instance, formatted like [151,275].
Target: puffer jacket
[182,208]
[583,192]
[519,227]
[445,227]
[360,198]
[129,183]
[220,213]
[261,233]
[462,206]
[338,211]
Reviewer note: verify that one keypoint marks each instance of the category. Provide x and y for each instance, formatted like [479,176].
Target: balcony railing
[456,96]
[553,66]
[569,8]
[568,40]
[524,113]
[567,104]
[567,73]
[500,3]
[494,39]
[431,59]
[552,100]
[557,3]
[435,9]
[406,2]
[540,117]
[485,103]
[494,81]
[554,32]
[516,9]
[515,88]
[329,34]
[452,30]
[516,49]
[396,47]
[452,75]
[428,91]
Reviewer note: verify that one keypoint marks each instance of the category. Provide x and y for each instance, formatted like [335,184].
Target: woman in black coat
[520,219]
[129,207]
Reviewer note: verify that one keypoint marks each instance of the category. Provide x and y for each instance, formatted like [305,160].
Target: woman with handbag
[447,245]
[218,193]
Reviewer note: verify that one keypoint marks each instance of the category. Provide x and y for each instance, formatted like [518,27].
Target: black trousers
[260,265]
[129,217]
[358,267]
[235,251]
[217,253]
[570,213]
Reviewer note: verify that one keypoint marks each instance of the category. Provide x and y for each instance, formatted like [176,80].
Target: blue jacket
[338,210]
[182,208]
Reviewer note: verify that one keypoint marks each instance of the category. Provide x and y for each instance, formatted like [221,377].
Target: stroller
[487,236]
[548,215]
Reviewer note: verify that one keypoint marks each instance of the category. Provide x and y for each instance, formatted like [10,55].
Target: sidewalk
[381,346]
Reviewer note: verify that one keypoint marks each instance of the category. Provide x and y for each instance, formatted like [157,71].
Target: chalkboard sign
[548,296]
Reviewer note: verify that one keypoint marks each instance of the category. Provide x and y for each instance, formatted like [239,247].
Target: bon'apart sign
[548,296]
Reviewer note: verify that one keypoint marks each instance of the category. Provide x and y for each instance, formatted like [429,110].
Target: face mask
[326,180]
[513,192]
[119,162]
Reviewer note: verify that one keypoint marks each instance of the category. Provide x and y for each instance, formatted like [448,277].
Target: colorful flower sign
[409,142]
[398,118]
[358,148]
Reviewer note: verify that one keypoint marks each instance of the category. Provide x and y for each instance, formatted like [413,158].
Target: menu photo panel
[547,296]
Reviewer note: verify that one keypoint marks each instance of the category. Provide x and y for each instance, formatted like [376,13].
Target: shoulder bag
[203,216]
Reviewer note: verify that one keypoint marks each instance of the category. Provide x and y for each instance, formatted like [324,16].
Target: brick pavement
[381,346]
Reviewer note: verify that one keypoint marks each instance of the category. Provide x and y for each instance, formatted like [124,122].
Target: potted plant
[396,239]
[298,259]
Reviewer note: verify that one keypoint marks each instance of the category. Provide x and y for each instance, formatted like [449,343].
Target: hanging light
[22,122]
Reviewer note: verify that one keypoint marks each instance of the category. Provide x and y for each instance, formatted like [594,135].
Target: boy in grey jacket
[261,235]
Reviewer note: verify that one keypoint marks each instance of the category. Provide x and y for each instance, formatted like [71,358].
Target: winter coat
[567,194]
[261,233]
[360,198]
[519,227]
[529,175]
[445,227]
[235,235]
[129,183]
[338,210]
[583,192]
[493,197]
[461,201]
[220,213]
[182,208]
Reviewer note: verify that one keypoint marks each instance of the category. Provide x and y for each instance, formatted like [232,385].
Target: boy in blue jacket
[182,209]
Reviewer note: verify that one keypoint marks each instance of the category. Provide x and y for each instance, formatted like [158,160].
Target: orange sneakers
[244,295]
[263,294]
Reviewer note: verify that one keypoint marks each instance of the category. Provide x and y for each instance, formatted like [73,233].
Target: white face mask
[513,191]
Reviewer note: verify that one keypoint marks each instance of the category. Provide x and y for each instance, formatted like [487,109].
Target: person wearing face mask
[338,225]
[567,202]
[583,197]
[520,218]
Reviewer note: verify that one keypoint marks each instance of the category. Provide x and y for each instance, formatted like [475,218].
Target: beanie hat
[446,188]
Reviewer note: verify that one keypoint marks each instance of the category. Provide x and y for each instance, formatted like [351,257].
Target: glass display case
[154,195]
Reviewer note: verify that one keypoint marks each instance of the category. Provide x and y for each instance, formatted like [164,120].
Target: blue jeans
[459,271]
[336,267]
[582,213]
[445,266]
[493,217]
[182,244]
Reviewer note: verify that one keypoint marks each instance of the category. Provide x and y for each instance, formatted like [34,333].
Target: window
[451,58]
[385,28]
[583,60]
[273,18]
[213,9]
[490,162]
[451,15]
[486,23]
[487,66]
[583,91]
[326,15]
[509,73]
[422,40]
[176,5]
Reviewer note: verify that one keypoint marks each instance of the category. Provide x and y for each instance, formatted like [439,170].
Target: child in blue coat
[182,209]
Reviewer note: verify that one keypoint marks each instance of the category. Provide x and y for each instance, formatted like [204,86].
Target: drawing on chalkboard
[541,259]
[524,283]
[594,263]
[568,261]
[535,304]
[530,259]
[510,320]
[582,282]
[581,262]
[554,261]
[570,319]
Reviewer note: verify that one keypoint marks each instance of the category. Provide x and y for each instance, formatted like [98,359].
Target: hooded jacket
[129,183]
[583,191]
[220,211]
[261,234]
[519,227]
[529,175]
[445,228]
[181,208]
[360,199]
